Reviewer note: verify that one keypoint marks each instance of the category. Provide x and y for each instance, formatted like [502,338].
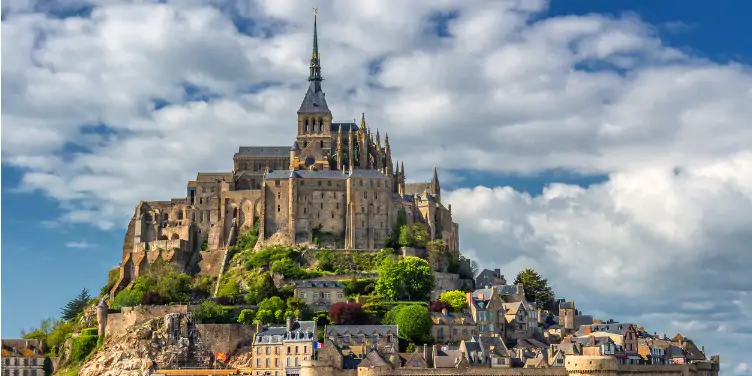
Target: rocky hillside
[142,349]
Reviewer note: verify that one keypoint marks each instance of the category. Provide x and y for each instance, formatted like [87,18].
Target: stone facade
[320,295]
[337,182]
[22,357]
[118,323]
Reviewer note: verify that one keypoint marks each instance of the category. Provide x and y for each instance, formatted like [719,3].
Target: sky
[604,143]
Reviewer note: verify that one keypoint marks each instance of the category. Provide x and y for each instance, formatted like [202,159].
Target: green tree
[390,317]
[264,316]
[261,286]
[276,306]
[246,316]
[208,311]
[405,238]
[455,299]
[127,298]
[437,254]
[297,308]
[536,288]
[325,260]
[112,277]
[415,323]
[75,306]
[410,277]
[163,278]
[420,234]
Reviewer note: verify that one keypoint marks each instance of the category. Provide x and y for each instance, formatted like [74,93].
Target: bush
[246,316]
[81,347]
[456,299]
[209,312]
[344,313]
[414,323]
[89,332]
[151,298]
[359,286]
[127,298]
[438,306]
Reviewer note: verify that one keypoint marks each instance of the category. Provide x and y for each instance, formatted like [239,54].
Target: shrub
[210,312]
[359,286]
[89,332]
[127,298]
[456,299]
[345,313]
[414,323]
[246,316]
[81,347]
[151,298]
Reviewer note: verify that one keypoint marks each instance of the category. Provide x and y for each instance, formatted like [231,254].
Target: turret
[339,148]
[293,153]
[102,311]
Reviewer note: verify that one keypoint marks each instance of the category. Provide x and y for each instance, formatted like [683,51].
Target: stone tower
[102,310]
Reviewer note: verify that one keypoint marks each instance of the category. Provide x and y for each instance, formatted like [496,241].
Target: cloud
[743,369]
[79,245]
[103,110]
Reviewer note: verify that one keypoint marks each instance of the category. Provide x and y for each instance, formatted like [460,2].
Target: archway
[175,236]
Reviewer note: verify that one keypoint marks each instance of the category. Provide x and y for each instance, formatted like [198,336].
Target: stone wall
[210,263]
[118,323]
[225,338]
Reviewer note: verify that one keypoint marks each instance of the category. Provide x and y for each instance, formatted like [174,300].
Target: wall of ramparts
[118,323]
[225,338]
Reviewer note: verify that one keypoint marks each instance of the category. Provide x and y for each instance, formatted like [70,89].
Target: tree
[75,306]
[415,323]
[260,287]
[208,311]
[275,306]
[410,277]
[536,288]
[437,254]
[456,299]
[325,260]
[390,318]
[420,234]
[298,308]
[405,238]
[346,313]
[246,316]
[438,306]
[163,278]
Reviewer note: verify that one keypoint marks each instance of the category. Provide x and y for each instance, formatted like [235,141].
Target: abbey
[336,178]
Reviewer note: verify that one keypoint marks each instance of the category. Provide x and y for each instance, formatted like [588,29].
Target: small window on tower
[279,208]
[321,144]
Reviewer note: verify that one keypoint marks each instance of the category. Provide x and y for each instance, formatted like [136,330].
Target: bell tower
[315,135]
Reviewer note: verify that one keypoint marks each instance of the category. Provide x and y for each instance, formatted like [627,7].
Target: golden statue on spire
[315,11]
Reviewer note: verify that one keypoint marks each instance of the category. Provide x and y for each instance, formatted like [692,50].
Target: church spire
[315,69]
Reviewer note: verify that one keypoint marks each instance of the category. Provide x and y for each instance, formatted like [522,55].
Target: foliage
[288,269]
[90,332]
[465,267]
[439,255]
[151,298]
[393,240]
[81,347]
[405,238]
[247,239]
[112,277]
[76,305]
[272,310]
[347,313]
[438,306]
[260,287]
[420,234]
[264,257]
[202,285]
[296,307]
[536,288]
[411,347]
[456,299]
[127,298]
[359,286]
[414,323]
[163,278]
[210,312]
[390,318]
[204,245]
[246,316]
[325,260]
[410,277]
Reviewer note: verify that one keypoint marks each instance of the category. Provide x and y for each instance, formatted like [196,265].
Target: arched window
[180,215]
[166,217]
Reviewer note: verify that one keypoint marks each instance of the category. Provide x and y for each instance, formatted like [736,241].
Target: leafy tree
[276,306]
[390,318]
[260,287]
[456,299]
[296,307]
[208,311]
[288,268]
[325,260]
[127,298]
[465,267]
[202,286]
[536,288]
[438,306]
[112,277]
[438,256]
[420,234]
[405,238]
[265,316]
[393,240]
[346,313]
[410,277]
[76,305]
[415,323]
[247,316]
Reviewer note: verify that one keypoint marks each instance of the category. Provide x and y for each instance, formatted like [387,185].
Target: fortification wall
[211,262]
[118,323]
[556,371]
[225,338]
[657,370]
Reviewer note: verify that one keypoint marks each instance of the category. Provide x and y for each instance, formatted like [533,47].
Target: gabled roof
[381,330]
[493,346]
[314,101]
[373,359]
[439,318]
[319,284]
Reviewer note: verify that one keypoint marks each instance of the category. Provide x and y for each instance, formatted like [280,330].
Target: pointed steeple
[435,187]
[315,69]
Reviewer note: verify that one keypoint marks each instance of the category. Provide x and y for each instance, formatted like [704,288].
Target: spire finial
[315,69]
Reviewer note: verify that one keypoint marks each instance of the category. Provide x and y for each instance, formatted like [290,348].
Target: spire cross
[315,12]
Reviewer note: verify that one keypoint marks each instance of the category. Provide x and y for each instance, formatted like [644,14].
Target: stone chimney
[289,323]
[258,327]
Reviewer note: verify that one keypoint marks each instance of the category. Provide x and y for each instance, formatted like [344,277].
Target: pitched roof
[314,100]
[263,151]
[439,318]
[381,330]
[319,284]
[493,346]
[373,359]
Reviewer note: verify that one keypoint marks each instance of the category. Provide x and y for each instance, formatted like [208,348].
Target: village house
[487,278]
[22,357]
[487,310]
[279,350]
[486,351]
[320,295]
[452,327]
[360,339]
[623,334]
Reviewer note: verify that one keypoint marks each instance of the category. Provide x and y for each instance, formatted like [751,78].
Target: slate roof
[439,318]
[530,343]
[314,101]
[373,359]
[566,305]
[613,328]
[324,174]
[263,151]
[323,284]
[493,346]
[446,358]
[278,334]
[346,127]
[382,330]
[204,177]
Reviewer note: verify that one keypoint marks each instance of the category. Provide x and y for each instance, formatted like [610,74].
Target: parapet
[591,365]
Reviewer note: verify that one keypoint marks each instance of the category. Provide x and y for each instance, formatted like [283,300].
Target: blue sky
[62,232]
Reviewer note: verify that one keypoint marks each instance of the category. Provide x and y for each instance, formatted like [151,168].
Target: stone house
[22,357]
[279,350]
[320,295]
[570,318]
[487,310]
[622,334]
[360,339]
[451,327]
[487,278]
[650,353]
[486,351]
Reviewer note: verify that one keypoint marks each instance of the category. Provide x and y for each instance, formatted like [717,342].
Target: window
[365,195]
[267,362]
[279,195]
[268,351]
[329,183]
[321,144]
[319,183]
[276,362]
[279,208]
[258,349]
[322,205]
[305,210]
[305,350]
[289,361]
[315,295]
[326,296]
[332,215]
[278,183]
[303,296]
[258,362]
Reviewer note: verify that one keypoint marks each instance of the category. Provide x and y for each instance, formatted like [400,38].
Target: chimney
[258,327]
[289,323]
[497,272]
[444,311]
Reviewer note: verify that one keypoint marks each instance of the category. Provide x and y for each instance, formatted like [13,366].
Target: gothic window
[306,128]
[365,195]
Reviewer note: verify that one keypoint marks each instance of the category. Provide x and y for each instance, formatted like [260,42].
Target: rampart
[118,323]
[225,338]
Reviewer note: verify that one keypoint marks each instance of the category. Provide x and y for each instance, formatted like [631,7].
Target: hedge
[81,347]
[90,332]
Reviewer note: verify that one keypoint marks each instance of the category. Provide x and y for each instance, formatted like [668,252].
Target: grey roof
[382,330]
[493,346]
[263,151]
[314,100]
[531,343]
[323,174]
[278,334]
[346,127]
[329,284]
[613,328]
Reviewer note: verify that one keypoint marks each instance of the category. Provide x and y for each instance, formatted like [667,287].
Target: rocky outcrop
[142,349]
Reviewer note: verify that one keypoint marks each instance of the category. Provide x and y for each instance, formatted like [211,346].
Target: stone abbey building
[336,178]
